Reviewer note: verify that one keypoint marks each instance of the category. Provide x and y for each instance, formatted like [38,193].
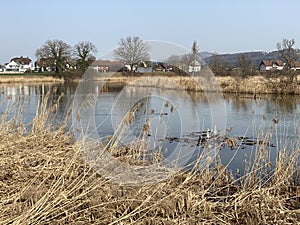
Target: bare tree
[246,65]
[288,52]
[84,54]
[174,60]
[132,51]
[194,56]
[178,63]
[195,49]
[55,52]
[218,65]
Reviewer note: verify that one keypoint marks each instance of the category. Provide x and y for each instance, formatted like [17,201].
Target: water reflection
[287,104]
[22,100]
[192,111]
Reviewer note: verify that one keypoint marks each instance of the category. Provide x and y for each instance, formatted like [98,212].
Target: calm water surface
[171,114]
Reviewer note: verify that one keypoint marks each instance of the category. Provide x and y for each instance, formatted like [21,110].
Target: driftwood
[201,138]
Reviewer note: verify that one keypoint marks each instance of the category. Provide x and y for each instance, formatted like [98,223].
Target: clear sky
[221,26]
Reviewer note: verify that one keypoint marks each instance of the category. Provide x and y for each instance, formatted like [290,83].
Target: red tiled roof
[107,63]
[271,62]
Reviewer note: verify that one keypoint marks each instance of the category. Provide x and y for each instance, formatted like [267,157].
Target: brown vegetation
[278,84]
[28,79]
[45,180]
[259,85]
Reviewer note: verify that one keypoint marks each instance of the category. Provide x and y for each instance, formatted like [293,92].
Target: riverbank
[45,180]
[17,78]
[259,85]
[225,84]
[248,85]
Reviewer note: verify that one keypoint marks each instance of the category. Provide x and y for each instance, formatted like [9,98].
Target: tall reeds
[226,84]
[44,179]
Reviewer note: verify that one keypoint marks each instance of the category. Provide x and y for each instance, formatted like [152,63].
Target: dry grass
[28,79]
[45,180]
[177,82]
[251,85]
[259,85]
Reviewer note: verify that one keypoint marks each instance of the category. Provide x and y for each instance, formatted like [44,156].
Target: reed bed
[225,84]
[259,85]
[29,79]
[44,179]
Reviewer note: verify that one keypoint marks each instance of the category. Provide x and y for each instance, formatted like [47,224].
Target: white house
[11,67]
[194,66]
[19,64]
[271,65]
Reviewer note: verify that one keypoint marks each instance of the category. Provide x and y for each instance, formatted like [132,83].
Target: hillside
[232,59]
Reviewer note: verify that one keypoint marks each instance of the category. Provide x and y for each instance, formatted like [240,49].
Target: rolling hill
[232,59]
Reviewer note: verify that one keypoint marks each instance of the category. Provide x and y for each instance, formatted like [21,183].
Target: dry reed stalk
[45,180]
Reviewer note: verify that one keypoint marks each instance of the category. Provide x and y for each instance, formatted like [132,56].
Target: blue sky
[221,26]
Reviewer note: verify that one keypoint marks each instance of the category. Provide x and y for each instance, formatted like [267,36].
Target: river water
[174,118]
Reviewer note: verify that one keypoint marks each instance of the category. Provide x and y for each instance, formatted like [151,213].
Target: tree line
[132,50]
[60,55]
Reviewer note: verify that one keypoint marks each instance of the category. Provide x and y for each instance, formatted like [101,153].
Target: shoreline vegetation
[258,84]
[30,78]
[44,179]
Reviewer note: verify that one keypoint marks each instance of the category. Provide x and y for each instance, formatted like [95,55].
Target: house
[145,67]
[194,66]
[149,67]
[104,66]
[160,66]
[271,65]
[11,67]
[295,66]
[19,64]
[24,62]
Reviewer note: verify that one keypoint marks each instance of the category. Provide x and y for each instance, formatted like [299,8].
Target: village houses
[18,65]
[271,65]
[276,65]
[105,66]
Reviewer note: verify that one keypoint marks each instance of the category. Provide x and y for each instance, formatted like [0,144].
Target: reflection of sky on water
[194,111]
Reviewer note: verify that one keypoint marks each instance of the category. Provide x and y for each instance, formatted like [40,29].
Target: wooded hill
[232,59]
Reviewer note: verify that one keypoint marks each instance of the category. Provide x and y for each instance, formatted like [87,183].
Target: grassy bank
[259,85]
[29,78]
[45,180]
[249,85]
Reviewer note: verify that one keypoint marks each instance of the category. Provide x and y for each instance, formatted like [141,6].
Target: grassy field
[44,179]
